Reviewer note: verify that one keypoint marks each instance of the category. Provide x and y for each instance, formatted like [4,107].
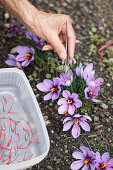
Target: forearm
[21,9]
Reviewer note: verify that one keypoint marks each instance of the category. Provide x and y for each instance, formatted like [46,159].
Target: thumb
[58,46]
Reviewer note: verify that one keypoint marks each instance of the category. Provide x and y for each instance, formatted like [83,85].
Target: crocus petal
[77,103]
[42,87]
[89,68]
[99,81]
[92,165]
[12,56]
[18,64]
[85,167]
[25,63]
[78,71]
[20,57]
[71,109]
[105,157]
[55,96]
[66,94]
[48,83]
[48,96]
[86,117]
[78,155]
[97,156]
[62,101]
[77,115]
[86,91]
[84,149]
[95,100]
[74,95]
[90,153]
[75,131]
[77,165]
[63,109]
[68,125]
[110,163]
[84,125]
[56,81]
[62,76]
[23,49]
[67,119]
[10,62]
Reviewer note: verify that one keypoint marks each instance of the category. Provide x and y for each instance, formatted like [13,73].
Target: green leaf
[90,33]
[59,11]
[51,104]
[31,78]
[93,29]
[48,76]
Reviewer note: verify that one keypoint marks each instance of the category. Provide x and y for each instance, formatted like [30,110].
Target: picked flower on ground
[91,92]
[53,87]
[86,159]
[66,79]
[69,103]
[13,62]
[103,163]
[75,122]
[25,54]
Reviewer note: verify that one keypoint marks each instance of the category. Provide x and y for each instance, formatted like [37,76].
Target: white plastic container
[24,140]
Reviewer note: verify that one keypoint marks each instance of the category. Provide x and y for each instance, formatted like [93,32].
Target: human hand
[52,28]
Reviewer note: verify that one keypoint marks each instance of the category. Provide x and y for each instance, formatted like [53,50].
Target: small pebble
[96,118]
[104,106]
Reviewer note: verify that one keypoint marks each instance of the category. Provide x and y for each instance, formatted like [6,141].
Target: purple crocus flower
[13,62]
[26,54]
[15,29]
[91,92]
[94,82]
[86,159]
[30,35]
[69,103]
[103,163]
[88,71]
[53,87]
[39,42]
[66,79]
[74,122]
[79,70]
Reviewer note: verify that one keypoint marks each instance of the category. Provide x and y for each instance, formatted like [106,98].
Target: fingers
[47,47]
[57,45]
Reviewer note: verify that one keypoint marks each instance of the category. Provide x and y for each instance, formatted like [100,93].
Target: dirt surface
[85,14]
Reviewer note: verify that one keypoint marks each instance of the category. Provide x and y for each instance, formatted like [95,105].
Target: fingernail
[62,56]
[45,48]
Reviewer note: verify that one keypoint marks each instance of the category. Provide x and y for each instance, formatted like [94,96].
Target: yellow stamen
[92,81]
[16,66]
[103,165]
[28,55]
[53,90]
[90,93]
[86,161]
[76,121]
[66,80]
[69,101]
